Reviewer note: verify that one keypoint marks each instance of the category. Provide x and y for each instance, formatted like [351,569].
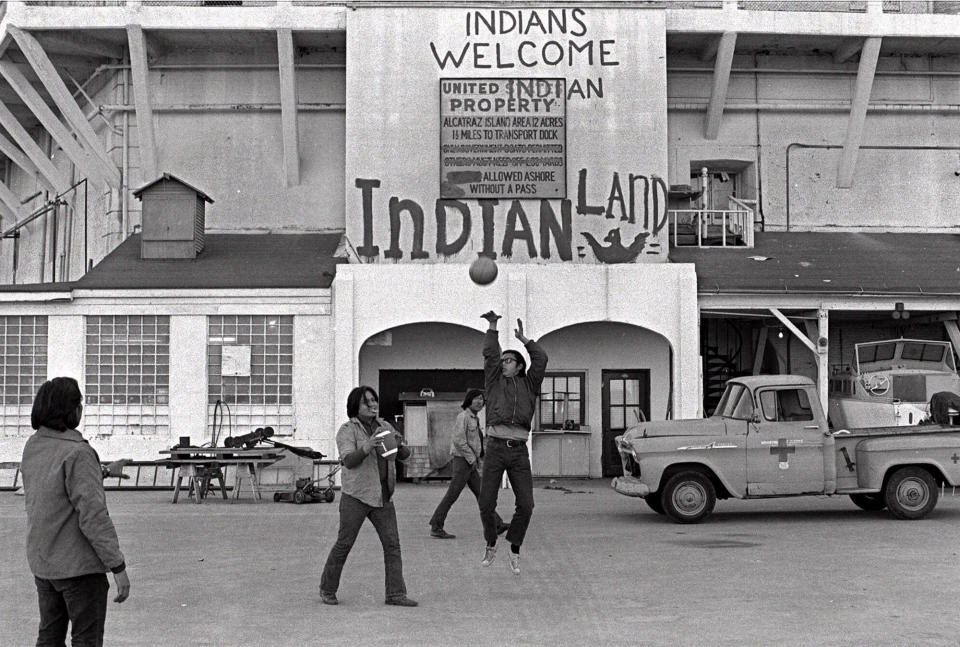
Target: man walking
[466,447]
[512,392]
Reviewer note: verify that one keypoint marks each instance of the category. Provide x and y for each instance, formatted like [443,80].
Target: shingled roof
[830,263]
[228,261]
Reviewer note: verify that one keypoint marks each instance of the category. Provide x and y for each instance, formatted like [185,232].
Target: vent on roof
[172,220]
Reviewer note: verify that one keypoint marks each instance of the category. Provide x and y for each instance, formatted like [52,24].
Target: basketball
[483,270]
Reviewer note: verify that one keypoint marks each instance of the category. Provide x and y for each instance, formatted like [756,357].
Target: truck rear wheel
[688,497]
[911,493]
[869,501]
[653,500]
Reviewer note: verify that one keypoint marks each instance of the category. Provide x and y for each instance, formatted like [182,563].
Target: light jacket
[465,439]
[69,531]
[363,481]
[511,400]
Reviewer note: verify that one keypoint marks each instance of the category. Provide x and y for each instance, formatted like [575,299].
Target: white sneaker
[489,554]
[515,563]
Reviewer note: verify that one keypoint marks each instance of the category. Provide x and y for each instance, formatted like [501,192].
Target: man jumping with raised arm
[512,392]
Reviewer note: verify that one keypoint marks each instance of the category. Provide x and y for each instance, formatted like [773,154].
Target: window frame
[580,421]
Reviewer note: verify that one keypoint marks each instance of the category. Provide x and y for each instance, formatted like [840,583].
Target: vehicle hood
[714,426]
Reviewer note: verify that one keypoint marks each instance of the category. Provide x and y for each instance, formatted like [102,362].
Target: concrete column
[346,350]
[188,378]
[313,382]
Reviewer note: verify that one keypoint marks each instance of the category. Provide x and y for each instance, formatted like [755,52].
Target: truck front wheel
[869,501]
[688,497]
[911,493]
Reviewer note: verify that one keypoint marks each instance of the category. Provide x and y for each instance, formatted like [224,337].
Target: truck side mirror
[755,418]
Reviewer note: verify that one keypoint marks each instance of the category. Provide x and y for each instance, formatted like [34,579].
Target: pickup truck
[769,438]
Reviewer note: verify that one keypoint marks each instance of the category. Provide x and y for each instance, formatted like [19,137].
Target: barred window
[127,374]
[250,371]
[23,368]
[561,399]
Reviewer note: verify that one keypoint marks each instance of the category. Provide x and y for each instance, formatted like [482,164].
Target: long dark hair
[468,398]
[356,395]
[56,404]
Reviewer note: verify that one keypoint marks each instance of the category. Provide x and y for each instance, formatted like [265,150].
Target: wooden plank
[20,158]
[32,150]
[144,107]
[721,82]
[288,106]
[87,163]
[758,354]
[793,329]
[63,99]
[858,111]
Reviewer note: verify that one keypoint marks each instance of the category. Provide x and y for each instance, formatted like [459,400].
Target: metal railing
[711,227]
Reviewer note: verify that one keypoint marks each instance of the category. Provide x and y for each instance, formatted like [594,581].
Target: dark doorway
[626,401]
[395,381]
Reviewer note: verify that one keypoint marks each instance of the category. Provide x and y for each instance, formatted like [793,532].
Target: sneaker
[329,598]
[502,528]
[440,533]
[515,563]
[489,554]
[401,602]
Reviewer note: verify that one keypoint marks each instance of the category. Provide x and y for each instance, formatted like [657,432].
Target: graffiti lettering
[625,202]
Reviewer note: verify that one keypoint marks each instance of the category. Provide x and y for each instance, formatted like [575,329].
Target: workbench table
[204,464]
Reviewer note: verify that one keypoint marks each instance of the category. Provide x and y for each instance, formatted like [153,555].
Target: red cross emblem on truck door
[783,450]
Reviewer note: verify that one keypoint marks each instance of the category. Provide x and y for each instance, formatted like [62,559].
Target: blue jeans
[499,458]
[464,475]
[81,601]
[353,512]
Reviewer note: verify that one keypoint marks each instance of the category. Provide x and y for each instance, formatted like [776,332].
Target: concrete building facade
[666,188]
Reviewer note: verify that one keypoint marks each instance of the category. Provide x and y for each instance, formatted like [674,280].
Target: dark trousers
[464,475]
[500,458]
[353,512]
[81,601]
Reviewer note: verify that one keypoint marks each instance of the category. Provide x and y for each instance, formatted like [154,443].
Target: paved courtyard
[598,569]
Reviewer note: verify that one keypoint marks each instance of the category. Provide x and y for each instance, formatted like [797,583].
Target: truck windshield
[735,403]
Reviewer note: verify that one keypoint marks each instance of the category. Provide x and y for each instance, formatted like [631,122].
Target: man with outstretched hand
[512,391]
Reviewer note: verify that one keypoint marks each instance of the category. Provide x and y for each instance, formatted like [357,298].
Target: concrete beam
[288,106]
[847,50]
[12,203]
[32,150]
[83,45]
[62,98]
[144,107]
[858,111]
[89,165]
[20,158]
[721,82]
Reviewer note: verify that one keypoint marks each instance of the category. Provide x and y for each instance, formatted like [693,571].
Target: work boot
[329,598]
[440,533]
[401,602]
[515,563]
[489,554]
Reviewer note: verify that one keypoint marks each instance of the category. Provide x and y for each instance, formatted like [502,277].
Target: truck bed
[901,430]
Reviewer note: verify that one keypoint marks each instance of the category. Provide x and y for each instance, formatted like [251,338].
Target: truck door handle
[811,426]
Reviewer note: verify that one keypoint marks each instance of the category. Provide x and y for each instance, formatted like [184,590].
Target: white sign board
[236,361]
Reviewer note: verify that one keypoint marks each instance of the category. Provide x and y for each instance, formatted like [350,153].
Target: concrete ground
[598,569]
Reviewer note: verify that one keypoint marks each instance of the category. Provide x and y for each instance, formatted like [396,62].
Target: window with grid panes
[262,398]
[23,368]
[128,374]
[561,399]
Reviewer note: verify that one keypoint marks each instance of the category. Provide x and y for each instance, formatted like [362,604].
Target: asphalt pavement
[598,568]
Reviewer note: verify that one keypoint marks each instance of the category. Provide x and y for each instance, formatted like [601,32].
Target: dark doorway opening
[626,401]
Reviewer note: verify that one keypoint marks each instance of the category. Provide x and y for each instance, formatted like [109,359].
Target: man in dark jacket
[512,392]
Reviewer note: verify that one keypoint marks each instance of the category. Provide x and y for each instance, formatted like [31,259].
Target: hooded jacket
[511,400]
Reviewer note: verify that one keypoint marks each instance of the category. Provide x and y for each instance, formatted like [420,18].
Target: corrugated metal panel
[198,226]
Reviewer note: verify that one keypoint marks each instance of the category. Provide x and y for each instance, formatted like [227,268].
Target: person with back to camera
[71,541]
[366,492]
[512,392]
[466,447]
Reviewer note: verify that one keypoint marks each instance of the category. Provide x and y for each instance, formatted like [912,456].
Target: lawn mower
[309,491]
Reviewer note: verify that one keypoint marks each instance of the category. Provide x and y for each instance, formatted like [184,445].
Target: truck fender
[658,471]
[877,457]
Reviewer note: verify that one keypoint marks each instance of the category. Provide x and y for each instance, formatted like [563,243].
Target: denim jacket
[69,531]
[363,481]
